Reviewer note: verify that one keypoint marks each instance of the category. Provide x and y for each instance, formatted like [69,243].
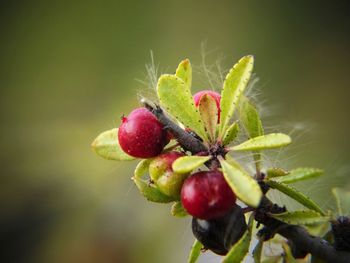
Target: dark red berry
[141,134]
[206,195]
[216,96]
[220,234]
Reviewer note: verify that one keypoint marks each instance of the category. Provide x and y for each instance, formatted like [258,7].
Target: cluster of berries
[205,194]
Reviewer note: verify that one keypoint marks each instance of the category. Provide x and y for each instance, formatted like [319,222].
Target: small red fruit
[164,177]
[216,96]
[141,134]
[206,195]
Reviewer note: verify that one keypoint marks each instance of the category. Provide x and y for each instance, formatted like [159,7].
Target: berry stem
[186,140]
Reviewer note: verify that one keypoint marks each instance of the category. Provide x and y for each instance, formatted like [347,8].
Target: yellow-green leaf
[187,164]
[231,133]
[273,259]
[298,174]
[252,124]
[304,217]
[176,98]
[342,198]
[275,172]
[288,254]
[250,119]
[244,186]
[178,210]
[209,114]
[269,141]
[318,229]
[239,250]
[257,251]
[107,146]
[195,251]
[184,72]
[234,85]
[295,194]
[146,189]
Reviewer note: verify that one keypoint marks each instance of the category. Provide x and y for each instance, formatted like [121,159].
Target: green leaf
[296,195]
[275,172]
[288,254]
[178,210]
[231,133]
[234,85]
[187,164]
[305,217]
[195,251]
[239,250]
[298,174]
[319,229]
[209,114]
[245,187]
[250,119]
[342,198]
[107,146]
[177,100]
[269,141]
[146,189]
[184,72]
[273,259]
[257,251]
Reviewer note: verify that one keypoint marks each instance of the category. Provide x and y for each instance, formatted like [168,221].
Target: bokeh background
[70,69]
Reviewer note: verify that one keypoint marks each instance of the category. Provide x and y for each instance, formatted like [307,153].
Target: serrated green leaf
[234,85]
[250,119]
[304,217]
[299,174]
[257,251]
[269,141]
[187,164]
[175,97]
[244,186]
[275,172]
[184,72]
[195,251]
[295,194]
[239,250]
[342,198]
[146,189]
[107,146]
[209,114]
[231,133]
[178,210]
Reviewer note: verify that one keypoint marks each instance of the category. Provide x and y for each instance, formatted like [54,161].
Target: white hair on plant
[149,83]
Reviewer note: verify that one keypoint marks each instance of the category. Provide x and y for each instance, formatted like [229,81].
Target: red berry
[206,195]
[161,172]
[141,134]
[216,96]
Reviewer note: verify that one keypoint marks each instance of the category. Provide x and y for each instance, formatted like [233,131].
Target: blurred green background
[69,70]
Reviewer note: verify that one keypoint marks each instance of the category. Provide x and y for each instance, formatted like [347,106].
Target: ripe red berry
[141,134]
[164,177]
[216,96]
[206,195]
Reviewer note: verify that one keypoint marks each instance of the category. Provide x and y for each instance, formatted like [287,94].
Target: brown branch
[299,238]
[186,140]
